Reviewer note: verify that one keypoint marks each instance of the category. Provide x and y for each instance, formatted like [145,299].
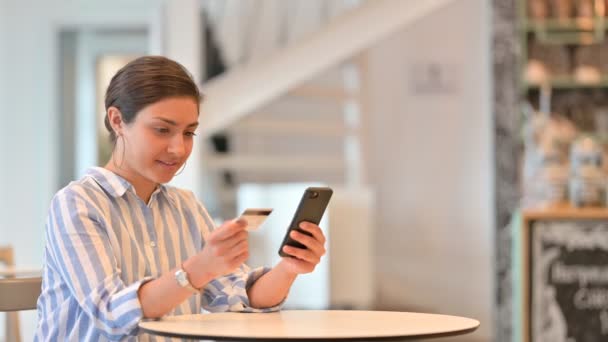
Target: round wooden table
[14,272]
[311,325]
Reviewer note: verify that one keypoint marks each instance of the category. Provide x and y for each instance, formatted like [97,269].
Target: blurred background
[392,103]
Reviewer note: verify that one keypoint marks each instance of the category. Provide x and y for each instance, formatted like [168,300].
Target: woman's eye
[162,130]
[190,134]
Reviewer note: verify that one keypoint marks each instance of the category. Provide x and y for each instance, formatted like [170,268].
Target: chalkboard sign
[566,280]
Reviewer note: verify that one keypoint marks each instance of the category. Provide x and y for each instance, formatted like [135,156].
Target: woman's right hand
[226,248]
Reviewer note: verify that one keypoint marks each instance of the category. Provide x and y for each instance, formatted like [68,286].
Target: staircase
[310,134]
[296,110]
[300,85]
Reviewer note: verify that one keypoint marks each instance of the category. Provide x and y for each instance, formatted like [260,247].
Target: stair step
[275,163]
[288,127]
[338,94]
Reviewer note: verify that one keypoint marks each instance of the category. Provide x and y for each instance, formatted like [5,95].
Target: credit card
[255,217]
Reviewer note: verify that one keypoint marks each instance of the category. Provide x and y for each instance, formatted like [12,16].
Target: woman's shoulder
[84,188]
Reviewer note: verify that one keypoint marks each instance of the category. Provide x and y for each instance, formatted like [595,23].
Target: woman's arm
[225,250]
[161,295]
[79,249]
[271,288]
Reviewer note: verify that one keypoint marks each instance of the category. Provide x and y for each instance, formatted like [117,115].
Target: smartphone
[311,209]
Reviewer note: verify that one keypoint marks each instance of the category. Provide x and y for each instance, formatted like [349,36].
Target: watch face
[181,277]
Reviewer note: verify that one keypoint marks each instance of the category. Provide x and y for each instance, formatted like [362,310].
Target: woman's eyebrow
[173,123]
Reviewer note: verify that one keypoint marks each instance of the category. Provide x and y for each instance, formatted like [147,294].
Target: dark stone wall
[505,50]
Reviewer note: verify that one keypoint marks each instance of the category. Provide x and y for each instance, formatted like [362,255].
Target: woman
[122,246]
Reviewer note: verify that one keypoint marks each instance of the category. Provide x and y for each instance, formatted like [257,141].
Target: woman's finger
[301,265]
[237,249]
[310,242]
[313,229]
[228,229]
[302,254]
[240,258]
[235,239]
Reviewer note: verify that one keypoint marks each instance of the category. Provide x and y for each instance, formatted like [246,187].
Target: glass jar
[587,181]
[553,180]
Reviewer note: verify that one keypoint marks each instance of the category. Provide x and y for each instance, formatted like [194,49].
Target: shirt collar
[116,186]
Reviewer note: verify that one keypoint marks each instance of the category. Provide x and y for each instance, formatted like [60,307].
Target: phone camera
[314,194]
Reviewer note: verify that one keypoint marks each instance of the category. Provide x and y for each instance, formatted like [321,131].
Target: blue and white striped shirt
[103,242]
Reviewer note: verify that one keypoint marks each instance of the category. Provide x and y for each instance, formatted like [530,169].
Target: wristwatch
[181,277]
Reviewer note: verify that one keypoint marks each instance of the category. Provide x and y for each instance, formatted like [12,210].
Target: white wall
[3,112]
[432,162]
[28,77]
[27,117]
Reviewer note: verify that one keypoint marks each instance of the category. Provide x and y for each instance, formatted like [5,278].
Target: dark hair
[144,81]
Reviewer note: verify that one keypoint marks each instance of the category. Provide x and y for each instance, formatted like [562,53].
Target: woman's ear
[115,119]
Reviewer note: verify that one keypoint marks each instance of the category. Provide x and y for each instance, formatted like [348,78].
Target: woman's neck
[143,187]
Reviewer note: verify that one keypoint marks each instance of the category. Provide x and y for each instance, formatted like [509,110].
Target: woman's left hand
[304,260]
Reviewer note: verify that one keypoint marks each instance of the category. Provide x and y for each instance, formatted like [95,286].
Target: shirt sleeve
[78,242]
[229,292]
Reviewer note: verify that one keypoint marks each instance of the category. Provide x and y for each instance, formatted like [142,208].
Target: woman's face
[159,140]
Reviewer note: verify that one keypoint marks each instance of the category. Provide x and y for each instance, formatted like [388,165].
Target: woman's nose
[177,145]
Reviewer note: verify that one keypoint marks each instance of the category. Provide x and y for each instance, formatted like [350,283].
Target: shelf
[565,211]
[578,31]
[568,82]
[574,24]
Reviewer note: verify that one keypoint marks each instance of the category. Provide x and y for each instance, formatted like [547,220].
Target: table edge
[368,338]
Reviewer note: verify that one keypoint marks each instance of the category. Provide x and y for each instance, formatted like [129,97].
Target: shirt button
[153,244]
